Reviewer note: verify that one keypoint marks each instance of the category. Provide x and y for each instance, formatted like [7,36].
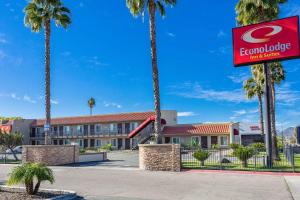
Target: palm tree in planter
[201,156]
[138,7]
[91,104]
[38,15]
[244,154]
[27,173]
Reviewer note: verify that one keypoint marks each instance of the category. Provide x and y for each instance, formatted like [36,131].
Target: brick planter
[51,154]
[159,157]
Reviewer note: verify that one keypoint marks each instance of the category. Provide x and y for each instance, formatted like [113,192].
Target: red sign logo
[268,41]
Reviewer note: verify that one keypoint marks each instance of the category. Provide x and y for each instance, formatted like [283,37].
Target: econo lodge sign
[268,41]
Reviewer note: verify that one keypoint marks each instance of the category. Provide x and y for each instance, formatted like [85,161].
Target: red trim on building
[123,117]
[197,129]
[144,125]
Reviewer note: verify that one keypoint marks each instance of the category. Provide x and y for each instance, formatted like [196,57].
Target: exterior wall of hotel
[105,137]
[188,139]
[23,126]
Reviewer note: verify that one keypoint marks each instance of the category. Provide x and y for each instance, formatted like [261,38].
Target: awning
[144,125]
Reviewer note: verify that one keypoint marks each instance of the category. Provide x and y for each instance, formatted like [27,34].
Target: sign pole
[268,134]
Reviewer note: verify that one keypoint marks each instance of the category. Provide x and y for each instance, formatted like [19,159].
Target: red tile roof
[197,129]
[122,117]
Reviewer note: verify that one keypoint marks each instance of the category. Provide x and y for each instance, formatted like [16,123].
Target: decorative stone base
[51,154]
[159,157]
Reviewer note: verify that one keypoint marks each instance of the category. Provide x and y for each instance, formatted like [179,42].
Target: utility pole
[268,134]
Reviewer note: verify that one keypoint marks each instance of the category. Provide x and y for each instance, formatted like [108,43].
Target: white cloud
[245,115]
[186,114]
[28,99]
[112,104]
[96,61]
[171,34]
[286,95]
[239,78]
[55,102]
[222,50]
[221,33]
[196,91]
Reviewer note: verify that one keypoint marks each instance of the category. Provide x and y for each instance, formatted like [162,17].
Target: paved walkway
[127,159]
[104,183]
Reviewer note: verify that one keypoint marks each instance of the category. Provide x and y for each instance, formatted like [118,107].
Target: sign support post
[268,134]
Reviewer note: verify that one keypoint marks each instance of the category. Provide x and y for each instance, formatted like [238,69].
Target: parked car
[17,149]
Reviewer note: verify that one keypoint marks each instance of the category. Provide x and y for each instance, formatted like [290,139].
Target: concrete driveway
[119,159]
[96,183]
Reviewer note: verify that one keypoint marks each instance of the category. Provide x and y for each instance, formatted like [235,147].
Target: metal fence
[9,158]
[229,159]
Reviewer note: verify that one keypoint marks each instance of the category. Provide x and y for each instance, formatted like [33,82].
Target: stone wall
[159,157]
[51,154]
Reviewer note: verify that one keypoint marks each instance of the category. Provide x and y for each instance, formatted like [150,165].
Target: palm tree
[137,7]
[38,15]
[252,89]
[91,104]
[255,11]
[29,172]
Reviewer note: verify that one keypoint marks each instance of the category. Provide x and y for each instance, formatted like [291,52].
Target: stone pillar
[159,157]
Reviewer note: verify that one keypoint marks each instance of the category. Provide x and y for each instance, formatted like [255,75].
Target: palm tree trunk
[91,111]
[47,80]
[157,125]
[275,152]
[261,114]
[37,187]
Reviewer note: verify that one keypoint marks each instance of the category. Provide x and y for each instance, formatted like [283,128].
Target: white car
[17,149]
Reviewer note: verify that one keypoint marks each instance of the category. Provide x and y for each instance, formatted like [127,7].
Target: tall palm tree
[91,104]
[38,15]
[255,11]
[277,75]
[137,7]
[252,89]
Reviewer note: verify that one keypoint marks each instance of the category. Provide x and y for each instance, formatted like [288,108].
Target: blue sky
[105,54]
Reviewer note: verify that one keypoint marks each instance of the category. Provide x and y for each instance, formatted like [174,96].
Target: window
[176,140]
[98,143]
[224,140]
[114,142]
[105,128]
[67,142]
[195,140]
[134,125]
[80,143]
[67,129]
[113,128]
[80,129]
[98,128]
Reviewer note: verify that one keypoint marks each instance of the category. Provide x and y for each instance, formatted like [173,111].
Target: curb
[67,194]
[242,172]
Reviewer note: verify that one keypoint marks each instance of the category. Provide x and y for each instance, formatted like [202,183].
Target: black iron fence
[230,159]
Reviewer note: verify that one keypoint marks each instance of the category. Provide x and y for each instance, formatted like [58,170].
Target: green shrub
[28,173]
[234,146]
[259,146]
[107,147]
[225,161]
[216,146]
[243,154]
[82,151]
[201,155]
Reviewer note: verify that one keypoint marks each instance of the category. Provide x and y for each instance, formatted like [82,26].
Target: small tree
[27,173]
[243,154]
[259,146]
[235,146]
[11,141]
[201,155]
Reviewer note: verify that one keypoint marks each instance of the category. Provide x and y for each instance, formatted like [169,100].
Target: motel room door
[204,142]
[127,143]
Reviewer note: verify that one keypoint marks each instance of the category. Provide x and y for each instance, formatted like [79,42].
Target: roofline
[101,115]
